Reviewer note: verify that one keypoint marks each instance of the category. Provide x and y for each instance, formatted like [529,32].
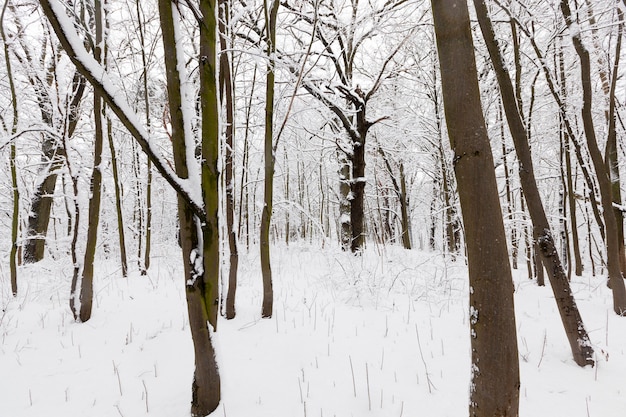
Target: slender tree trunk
[244,212]
[400,190]
[226,78]
[509,197]
[615,275]
[495,367]
[570,316]
[271,10]
[611,150]
[86,280]
[118,201]
[570,131]
[578,265]
[15,218]
[146,99]
[404,211]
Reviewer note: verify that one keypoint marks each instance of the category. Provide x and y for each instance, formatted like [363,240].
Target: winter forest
[307,208]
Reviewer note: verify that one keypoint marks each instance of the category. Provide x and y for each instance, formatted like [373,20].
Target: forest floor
[385,334]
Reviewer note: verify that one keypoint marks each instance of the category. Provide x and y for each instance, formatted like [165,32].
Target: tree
[342,33]
[197,200]
[227,94]
[270,9]
[14,125]
[495,368]
[570,316]
[616,280]
[82,311]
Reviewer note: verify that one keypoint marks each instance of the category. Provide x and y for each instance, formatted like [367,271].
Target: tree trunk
[118,201]
[495,367]
[611,150]
[578,264]
[570,316]
[271,10]
[196,259]
[226,78]
[615,275]
[345,225]
[15,218]
[146,99]
[86,269]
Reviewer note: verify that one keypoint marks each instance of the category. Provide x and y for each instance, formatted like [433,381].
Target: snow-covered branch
[101,82]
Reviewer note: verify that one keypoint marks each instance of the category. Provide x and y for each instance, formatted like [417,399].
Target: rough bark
[495,368]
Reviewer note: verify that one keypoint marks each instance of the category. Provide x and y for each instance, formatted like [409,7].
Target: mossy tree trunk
[201,260]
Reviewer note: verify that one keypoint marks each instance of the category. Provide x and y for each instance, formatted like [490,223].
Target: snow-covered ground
[385,334]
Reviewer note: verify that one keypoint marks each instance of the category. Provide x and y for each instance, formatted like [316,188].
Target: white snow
[189,185]
[383,334]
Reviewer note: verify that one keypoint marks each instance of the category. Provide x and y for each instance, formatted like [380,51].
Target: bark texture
[495,368]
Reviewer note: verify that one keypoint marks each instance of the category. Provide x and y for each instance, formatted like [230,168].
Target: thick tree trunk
[570,316]
[495,368]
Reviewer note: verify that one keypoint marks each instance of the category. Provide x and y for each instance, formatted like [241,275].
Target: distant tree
[495,368]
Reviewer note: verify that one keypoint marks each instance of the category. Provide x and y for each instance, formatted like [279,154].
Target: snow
[382,334]
[190,186]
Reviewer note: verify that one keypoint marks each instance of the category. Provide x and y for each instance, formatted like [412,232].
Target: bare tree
[197,200]
[616,280]
[570,316]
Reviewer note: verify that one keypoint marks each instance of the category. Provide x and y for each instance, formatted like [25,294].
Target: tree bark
[495,368]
